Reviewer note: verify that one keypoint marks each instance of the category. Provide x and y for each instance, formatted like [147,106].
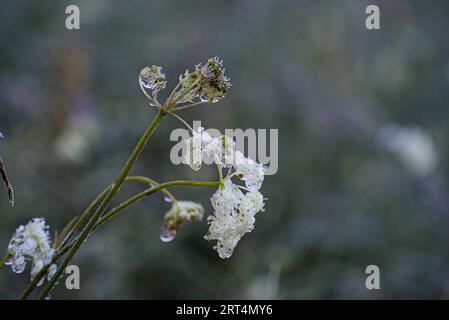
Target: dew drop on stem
[167,235]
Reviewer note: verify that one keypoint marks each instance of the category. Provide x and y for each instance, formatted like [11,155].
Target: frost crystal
[30,243]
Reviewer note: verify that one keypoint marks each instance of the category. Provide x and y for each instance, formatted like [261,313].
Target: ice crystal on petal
[30,243]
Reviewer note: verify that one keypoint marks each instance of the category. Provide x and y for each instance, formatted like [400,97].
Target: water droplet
[146,83]
[167,235]
[167,199]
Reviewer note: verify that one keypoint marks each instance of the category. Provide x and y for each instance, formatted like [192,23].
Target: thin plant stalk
[5,258]
[149,192]
[106,201]
[161,187]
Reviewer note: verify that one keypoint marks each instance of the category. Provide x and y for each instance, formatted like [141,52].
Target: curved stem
[33,283]
[161,187]
[104,204]
[188,105]
[184,91]
[181,120]
[152,182]
[149,192]
[146,94]
[84,216]
[172,93]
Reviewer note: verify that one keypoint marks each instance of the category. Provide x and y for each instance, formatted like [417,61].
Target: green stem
[84,216]
[149,192]
[104,204]
[60,252]
[32,285]
[5,258]
[152,182]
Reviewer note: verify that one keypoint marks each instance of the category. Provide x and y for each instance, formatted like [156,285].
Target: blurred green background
[363,142]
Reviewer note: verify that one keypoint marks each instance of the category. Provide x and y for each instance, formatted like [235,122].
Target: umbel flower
[31,243]
[235,204]
[234,210]
[207,83]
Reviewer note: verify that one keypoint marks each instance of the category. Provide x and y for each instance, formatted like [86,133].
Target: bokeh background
[363,143]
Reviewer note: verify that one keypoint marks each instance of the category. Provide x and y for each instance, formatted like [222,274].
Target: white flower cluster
[234,215]
[234,210]
[31,242]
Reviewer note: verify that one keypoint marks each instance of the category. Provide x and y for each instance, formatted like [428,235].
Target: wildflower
[31,242]
[153,78]
[207,82]
[233,216]
[215,84]
[180,213]
[234,211]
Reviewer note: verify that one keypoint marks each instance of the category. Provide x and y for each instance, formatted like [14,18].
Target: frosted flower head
[180,213]
[153,78]
[207,82]
[215,84]
[30,243]
[234,210]
[233,216]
